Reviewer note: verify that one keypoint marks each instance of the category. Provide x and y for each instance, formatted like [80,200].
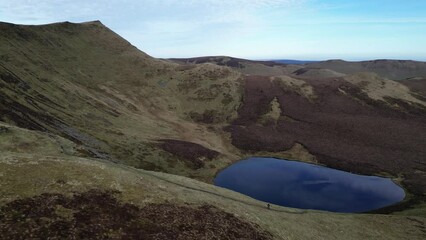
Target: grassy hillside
[267,68]
[81,191]
[82,112]
[391,69]
[89,85]
[358,122]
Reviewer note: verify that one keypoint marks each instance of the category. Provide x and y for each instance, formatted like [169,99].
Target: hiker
[269,206]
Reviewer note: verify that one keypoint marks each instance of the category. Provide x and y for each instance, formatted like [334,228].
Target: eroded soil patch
[194,155]
[100,215]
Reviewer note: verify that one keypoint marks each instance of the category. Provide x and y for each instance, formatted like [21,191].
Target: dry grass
[379,89]
[30,175]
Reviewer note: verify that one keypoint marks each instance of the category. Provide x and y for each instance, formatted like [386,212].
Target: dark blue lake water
[301,185]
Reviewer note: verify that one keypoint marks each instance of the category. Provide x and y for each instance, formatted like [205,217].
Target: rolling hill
[391,69]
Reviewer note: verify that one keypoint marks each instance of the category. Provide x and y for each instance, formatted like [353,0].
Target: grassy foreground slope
[70,196]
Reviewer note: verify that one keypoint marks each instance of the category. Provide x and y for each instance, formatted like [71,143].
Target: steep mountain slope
[89,85]
[391,69]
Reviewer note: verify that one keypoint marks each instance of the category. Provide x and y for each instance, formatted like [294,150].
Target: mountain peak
[94,22]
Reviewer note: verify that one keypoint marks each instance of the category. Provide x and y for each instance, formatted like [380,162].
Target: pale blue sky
[255,29]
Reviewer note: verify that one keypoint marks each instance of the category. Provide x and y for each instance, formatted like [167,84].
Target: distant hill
[224,61]
[391,69]
[269,68]
[295,62]
[316,73]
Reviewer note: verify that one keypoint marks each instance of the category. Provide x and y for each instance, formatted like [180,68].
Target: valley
[83,110]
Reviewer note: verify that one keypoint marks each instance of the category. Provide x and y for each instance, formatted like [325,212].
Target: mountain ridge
[391,69]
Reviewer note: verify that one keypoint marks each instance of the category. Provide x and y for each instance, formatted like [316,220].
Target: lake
[308,186]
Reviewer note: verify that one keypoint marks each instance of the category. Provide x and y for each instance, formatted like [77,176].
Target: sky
[253,29]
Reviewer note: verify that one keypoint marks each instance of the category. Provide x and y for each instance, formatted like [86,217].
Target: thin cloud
[230,3]
[43,11]
[313,29]
[200,12]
